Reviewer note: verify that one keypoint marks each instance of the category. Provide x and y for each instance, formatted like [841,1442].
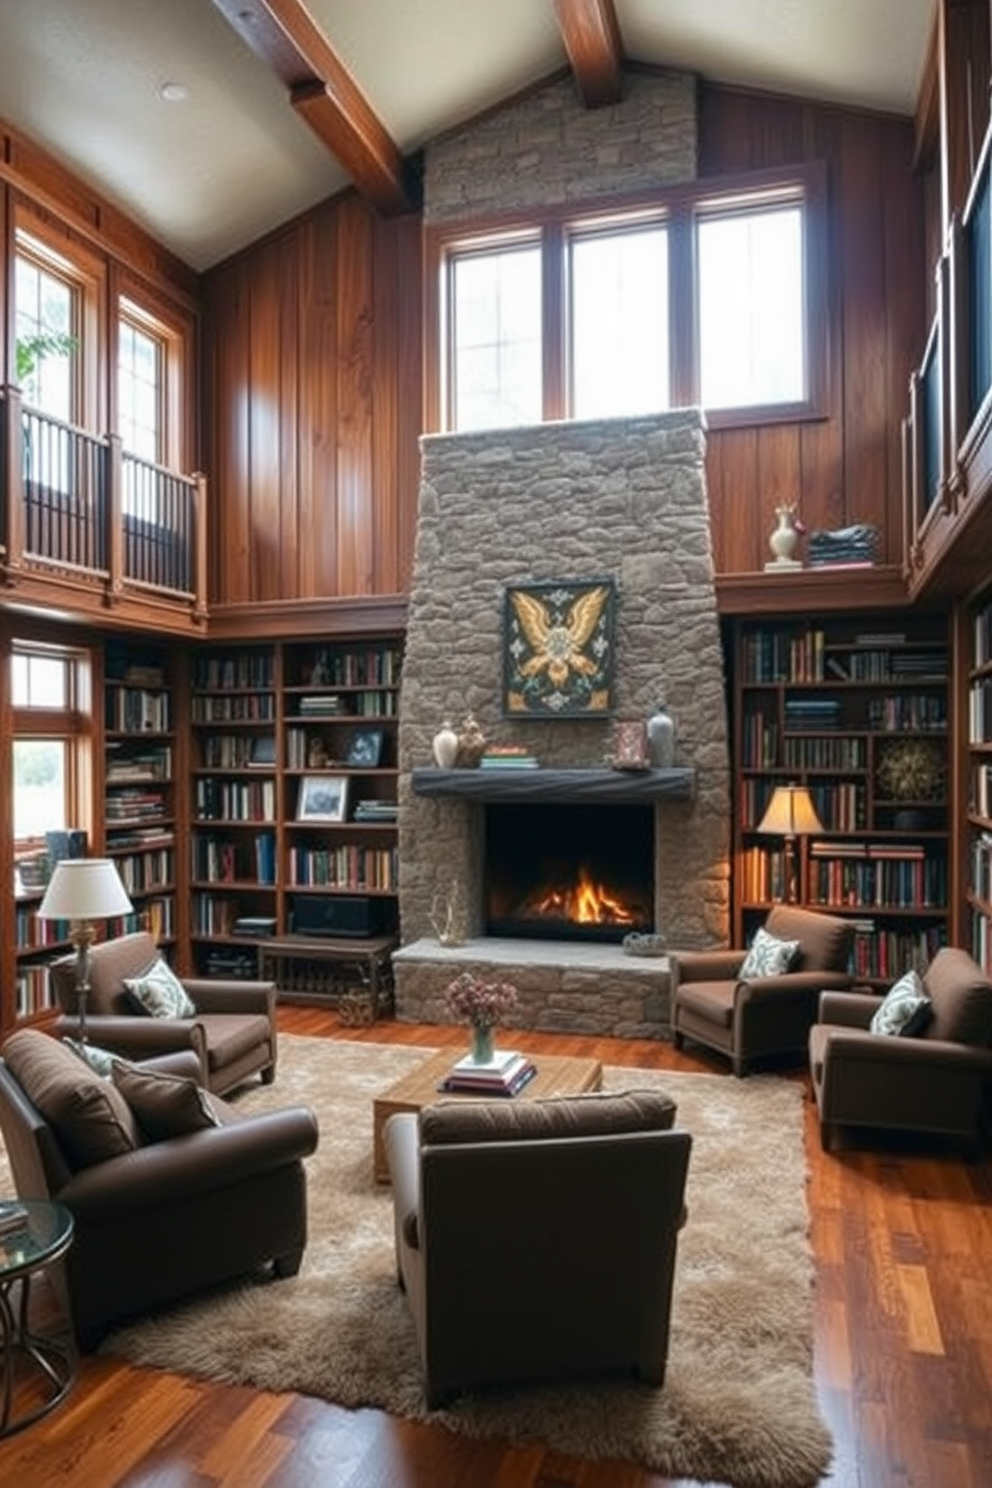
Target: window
[697,295]
[495,313]
[47,317]
[140,386]
[48,687]
[751,307]
[618,293]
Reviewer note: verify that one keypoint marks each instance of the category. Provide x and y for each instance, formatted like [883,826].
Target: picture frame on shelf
[323,798]
[365,749]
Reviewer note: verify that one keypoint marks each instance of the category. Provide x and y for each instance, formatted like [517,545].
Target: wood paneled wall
[313,391]
[314,380]
[848,467]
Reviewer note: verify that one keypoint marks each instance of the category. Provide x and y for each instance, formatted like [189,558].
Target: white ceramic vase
[784,539]
[445,747]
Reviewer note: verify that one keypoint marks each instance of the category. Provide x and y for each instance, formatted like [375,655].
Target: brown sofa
[937,1081]
[537,1240]
[762,1017]
[233,1033]
[165,1202]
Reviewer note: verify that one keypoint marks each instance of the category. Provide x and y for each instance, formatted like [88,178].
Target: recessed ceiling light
[173,92]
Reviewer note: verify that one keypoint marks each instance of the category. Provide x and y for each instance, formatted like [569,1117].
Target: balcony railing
[77,508]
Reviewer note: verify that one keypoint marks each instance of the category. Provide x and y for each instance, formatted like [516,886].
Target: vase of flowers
[482,1005]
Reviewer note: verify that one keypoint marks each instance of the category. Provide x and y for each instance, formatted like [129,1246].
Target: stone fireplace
[624,498]
[567,872]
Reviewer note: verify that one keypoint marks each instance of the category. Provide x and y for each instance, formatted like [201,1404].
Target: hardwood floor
[903,1246]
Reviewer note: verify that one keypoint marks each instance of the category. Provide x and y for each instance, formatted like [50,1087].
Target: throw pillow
[98,1059]
[163,1105]
[160,992]
[91,1120]
[906,1009]
[768,956]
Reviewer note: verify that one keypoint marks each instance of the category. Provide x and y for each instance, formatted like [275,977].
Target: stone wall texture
[617,498]
[546,149]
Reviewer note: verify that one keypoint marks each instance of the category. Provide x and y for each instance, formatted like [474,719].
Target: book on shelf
[505,1074]
[256,925]
[508,757]
[263,751]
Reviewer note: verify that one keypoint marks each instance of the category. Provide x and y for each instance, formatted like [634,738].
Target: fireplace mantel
[565,786]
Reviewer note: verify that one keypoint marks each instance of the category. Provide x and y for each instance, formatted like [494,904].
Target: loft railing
[77,505]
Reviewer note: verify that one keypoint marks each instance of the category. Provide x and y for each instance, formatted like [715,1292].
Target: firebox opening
[569,872]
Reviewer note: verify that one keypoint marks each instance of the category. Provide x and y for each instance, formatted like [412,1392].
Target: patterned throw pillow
[98,1059]
[768,956]
[160,992]
[906,1010]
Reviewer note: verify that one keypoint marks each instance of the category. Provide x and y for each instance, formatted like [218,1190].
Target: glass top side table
[44,1235]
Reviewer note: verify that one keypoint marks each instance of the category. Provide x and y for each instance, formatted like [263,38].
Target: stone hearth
[563,988]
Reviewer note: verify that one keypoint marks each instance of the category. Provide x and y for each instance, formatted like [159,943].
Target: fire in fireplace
[568,872]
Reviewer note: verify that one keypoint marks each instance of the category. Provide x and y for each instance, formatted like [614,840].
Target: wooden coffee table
[420,1088]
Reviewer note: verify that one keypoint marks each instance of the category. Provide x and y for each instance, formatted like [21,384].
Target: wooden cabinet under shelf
[855,709]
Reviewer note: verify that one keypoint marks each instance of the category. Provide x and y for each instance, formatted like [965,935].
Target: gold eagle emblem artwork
[559,650]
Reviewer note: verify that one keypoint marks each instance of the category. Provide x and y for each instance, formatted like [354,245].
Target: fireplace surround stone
[618,497]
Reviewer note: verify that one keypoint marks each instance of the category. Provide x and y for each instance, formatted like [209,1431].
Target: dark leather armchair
[233,1032]
[762,1017]
[154,1220]
[537,1240]
[938,1081]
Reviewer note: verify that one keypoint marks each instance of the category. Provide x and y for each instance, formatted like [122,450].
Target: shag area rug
[738,1405]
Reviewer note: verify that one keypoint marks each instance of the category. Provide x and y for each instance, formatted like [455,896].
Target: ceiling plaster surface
[209,175]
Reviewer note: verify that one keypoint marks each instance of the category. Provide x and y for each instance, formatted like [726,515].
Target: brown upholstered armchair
[233,1032]
[562,1214]
[157,1216]
[767,1016]
[938,1081]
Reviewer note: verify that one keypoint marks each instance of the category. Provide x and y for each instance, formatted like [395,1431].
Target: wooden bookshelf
[855,708]
[293,795]
[140,811]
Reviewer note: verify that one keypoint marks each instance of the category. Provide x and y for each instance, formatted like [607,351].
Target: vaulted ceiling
[211,121]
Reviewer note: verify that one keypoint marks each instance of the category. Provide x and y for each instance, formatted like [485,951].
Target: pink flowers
[481,1003]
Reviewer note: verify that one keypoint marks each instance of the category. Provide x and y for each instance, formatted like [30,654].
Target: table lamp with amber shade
[790,814]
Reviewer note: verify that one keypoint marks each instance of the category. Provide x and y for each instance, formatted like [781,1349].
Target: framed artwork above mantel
[558,649]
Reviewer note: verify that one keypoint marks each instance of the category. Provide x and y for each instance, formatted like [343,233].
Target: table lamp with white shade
[790,814]
[82,890]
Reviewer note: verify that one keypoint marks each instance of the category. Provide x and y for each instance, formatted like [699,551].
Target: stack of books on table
[505,1074]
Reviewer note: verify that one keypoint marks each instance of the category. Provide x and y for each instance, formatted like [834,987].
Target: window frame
[155,317]
[57,250]
[680,206]
[73,725]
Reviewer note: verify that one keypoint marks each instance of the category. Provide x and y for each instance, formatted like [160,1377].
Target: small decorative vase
[482,1043]
[661,739]
[445,747]
[784,539]
[471,743]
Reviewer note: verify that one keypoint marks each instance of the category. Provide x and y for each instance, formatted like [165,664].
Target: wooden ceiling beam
[590,32]
[326,96]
